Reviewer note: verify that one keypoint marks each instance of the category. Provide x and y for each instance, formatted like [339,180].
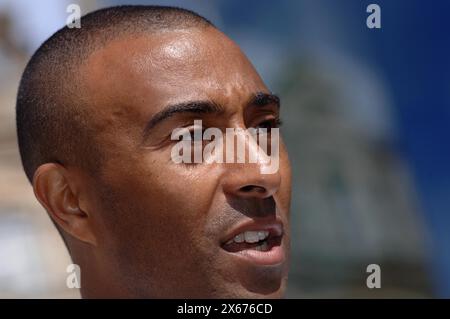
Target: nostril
[253,188]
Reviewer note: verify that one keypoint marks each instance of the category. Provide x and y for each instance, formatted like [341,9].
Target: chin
[260,291]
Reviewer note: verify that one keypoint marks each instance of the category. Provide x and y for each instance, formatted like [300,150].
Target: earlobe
[55,191]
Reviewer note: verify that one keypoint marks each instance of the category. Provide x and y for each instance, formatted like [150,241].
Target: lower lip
[274,256]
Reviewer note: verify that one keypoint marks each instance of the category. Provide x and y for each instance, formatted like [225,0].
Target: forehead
[140,75]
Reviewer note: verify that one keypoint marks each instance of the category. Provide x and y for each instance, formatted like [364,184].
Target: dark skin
[144,226]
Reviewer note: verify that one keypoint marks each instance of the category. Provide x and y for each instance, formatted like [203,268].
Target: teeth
[250,237]
[263,247]
[263,234]
[239,238]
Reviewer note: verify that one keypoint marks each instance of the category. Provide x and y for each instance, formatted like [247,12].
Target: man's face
[162,227]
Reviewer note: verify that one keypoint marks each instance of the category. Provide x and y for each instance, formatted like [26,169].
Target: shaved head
[52,117]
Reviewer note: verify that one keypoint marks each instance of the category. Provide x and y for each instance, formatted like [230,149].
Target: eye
[271,123]
[196,133]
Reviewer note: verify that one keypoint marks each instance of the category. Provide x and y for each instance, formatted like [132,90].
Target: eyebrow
[264,99]
[195,107]
[206,107]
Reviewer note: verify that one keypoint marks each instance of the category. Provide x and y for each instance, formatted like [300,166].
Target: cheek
[157,226]
[160,204]
[284,193]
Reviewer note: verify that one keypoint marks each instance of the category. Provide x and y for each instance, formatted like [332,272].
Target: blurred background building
[366,116]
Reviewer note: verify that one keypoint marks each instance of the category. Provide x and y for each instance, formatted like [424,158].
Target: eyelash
[274,123]
[269,124]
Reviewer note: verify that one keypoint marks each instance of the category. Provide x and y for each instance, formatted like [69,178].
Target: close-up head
[96,110]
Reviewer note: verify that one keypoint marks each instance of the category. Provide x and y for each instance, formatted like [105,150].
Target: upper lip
[275,228]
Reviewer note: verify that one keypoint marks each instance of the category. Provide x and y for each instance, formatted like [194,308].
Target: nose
[250,179]
[250,184]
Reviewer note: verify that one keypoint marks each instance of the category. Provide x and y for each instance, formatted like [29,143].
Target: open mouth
[259,243]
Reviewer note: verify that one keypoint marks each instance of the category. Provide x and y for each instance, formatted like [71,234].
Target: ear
[58,194]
